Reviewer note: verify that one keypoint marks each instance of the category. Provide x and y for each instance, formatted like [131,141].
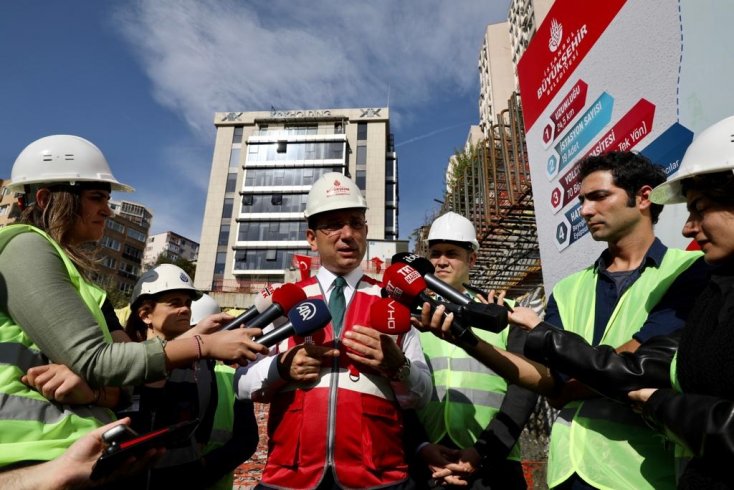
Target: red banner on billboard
[628,131]
[562,41]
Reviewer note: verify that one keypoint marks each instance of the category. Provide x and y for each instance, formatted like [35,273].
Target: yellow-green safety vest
[223,419]
[604,442]
[31,427]
[466,394]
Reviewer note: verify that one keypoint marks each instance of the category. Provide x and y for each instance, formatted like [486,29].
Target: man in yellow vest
[637,289]
[473,410]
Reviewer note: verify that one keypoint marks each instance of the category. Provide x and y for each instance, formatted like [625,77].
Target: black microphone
[262,301]
[491,317]
[435,284]
[303,319]
[405,284]
[283,300]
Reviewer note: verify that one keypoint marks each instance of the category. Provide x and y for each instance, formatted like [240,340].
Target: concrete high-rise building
[524,17]
[9,209]
[263,166]
[496,74]
[122,246]
[172,244]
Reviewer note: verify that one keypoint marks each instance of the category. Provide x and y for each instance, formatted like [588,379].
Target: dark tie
[337,305]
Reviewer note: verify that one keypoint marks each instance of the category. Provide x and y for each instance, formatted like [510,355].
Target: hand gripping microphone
[405,284]
[283,300]
[304,318]
[491,317]
[263,300]
[389,316]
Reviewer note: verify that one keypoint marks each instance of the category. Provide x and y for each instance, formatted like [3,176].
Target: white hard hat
[59,159]
[712,150]
[164,277]
[452,227]
[203,307]
[331,192]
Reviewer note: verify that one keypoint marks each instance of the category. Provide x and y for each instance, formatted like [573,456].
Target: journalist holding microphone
[336,395]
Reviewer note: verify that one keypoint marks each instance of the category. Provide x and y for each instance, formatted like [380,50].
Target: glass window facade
[295,150]
[266,203]
[264,177]
[256,259]
[255,231]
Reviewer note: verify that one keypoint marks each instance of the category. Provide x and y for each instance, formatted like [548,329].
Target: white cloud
[206,56]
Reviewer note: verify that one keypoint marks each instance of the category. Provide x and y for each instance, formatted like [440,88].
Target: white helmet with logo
[162,278]
[62,159]
[203,307]
[711,151]
[452,227]
[331,192]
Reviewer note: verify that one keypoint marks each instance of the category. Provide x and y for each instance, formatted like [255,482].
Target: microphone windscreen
[287,296]
[263,299]
[309,315]
[403,283]
[389,316]
[419,263]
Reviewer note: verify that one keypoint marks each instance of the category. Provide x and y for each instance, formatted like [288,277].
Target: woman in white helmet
[51,311]
[699,411]
[162,305]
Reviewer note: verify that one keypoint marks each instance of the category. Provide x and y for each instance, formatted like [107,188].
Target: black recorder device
[123,443]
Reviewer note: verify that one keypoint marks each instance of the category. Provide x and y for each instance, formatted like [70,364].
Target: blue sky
[142,80]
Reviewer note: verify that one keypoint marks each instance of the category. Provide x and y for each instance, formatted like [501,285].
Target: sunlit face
[452,263]
[340,238]
[94,211]
[712,226]
[170,316]
[605,208]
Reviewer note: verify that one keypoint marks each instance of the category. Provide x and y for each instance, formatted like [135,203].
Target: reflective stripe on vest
[31,427]
[466,396]
[223,420]
[604,443]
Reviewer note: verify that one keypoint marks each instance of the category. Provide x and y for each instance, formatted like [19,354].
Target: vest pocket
[382,434]
[285,423]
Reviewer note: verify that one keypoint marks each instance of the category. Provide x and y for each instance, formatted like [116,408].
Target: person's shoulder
[28,241]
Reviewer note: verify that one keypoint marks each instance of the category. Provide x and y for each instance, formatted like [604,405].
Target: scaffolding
[491,187]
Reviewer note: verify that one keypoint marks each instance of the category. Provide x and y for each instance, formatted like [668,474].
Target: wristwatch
[403,371]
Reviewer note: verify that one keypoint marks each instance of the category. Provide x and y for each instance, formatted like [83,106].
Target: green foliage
[188,266]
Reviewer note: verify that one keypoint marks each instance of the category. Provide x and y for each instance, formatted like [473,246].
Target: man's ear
[472,259]
[311,238]
[644,195]
[43,196]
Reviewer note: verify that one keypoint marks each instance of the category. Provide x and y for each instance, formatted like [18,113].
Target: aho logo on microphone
[306,310]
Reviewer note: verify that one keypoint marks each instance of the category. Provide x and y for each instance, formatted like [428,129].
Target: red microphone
[389,316]
[284,298]
[404,284]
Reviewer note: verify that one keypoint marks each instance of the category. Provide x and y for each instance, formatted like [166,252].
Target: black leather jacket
[600,367]
[704,424]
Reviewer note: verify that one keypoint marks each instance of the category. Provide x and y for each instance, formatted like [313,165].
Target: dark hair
[630,171]
[717,186]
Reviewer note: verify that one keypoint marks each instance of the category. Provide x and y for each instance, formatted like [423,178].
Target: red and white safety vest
[347,420]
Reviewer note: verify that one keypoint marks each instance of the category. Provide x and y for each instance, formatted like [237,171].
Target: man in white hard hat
[473,410]
[336,396]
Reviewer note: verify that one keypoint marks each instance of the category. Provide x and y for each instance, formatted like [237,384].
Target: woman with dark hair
[50,311]
[698,411]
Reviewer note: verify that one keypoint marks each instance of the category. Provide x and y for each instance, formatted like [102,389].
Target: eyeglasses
[334,227]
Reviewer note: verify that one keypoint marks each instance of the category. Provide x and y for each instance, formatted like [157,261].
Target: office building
[263,166]
[496,75]
[173,245]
